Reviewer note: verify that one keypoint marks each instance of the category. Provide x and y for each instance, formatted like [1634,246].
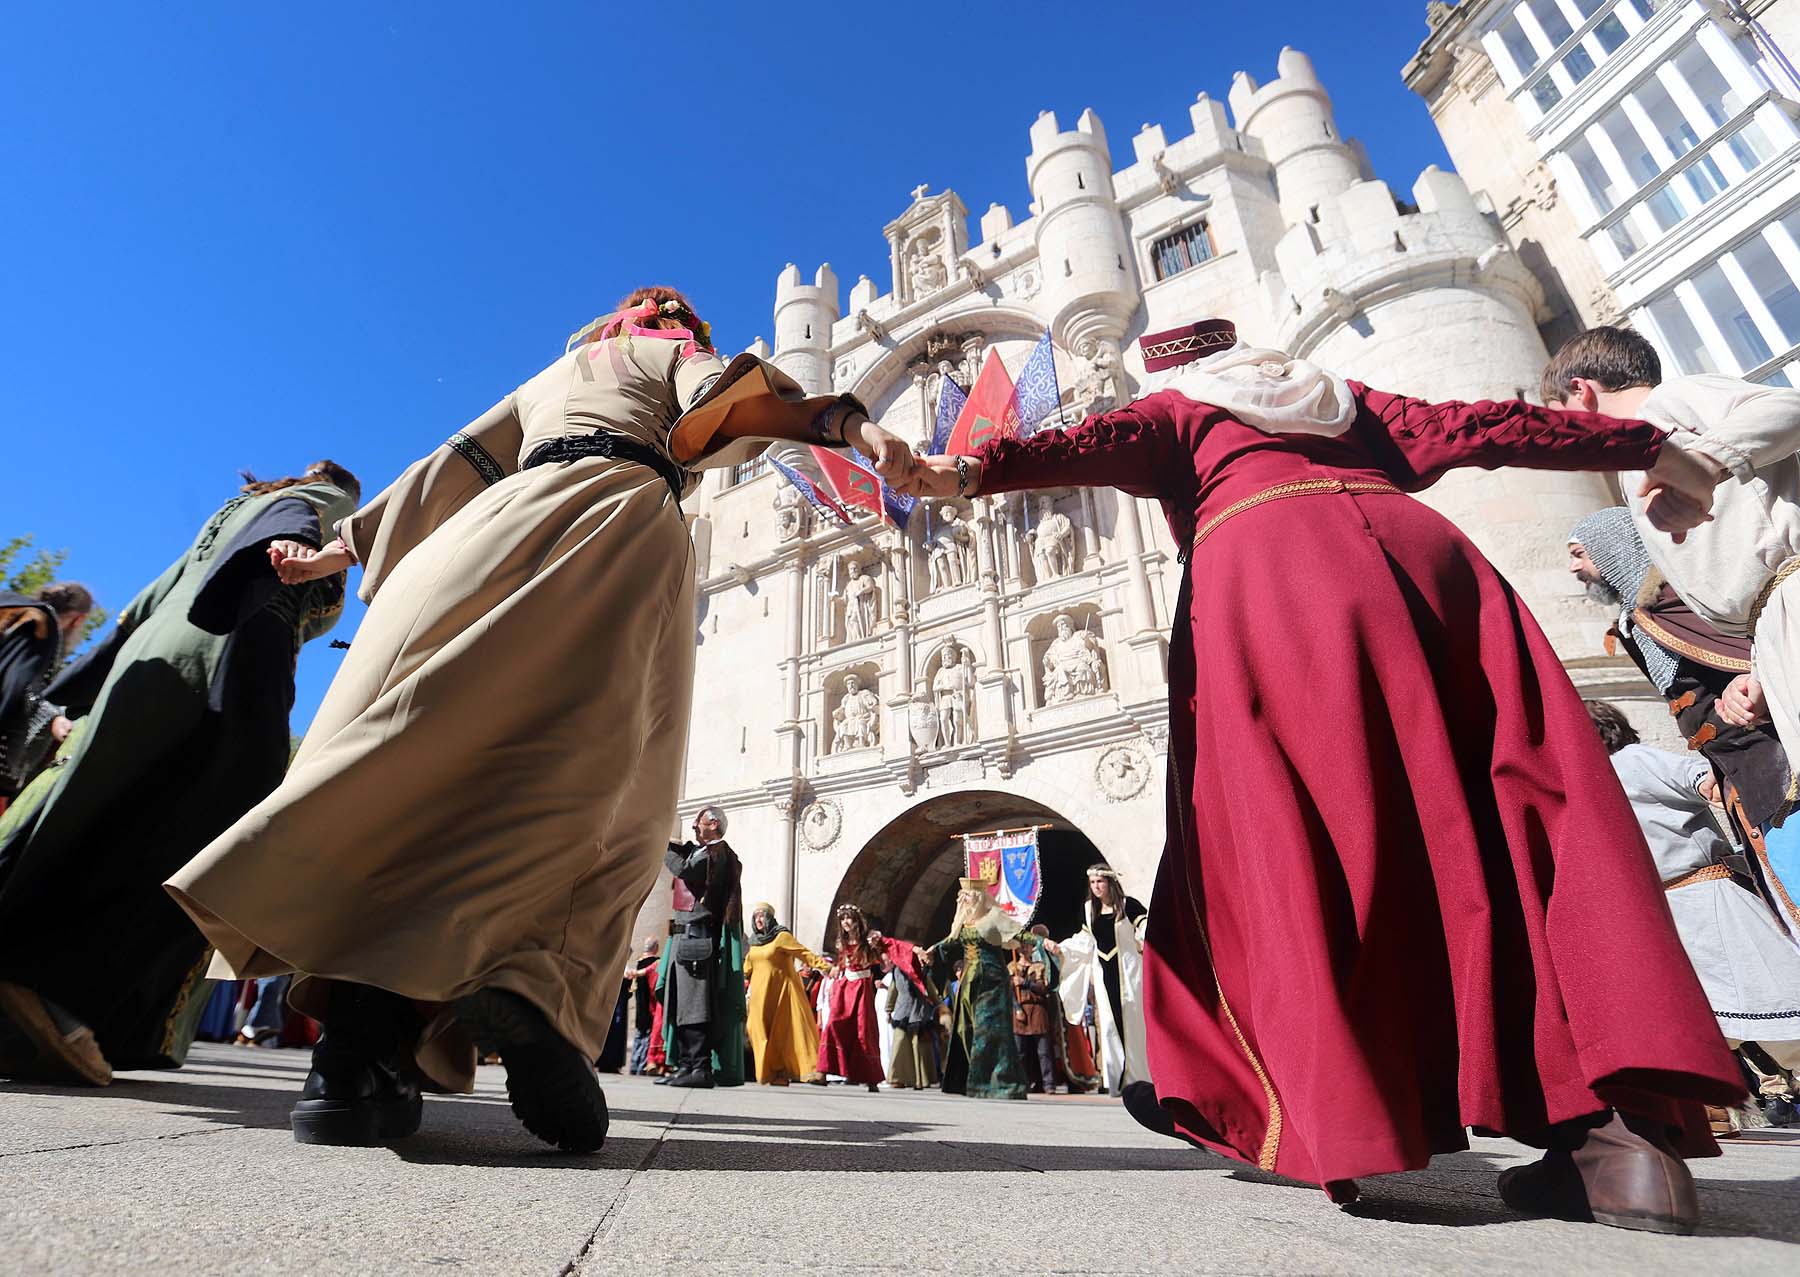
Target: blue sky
[237,235]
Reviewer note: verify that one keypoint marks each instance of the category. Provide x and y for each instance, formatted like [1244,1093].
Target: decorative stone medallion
[1122,771]
[820,823]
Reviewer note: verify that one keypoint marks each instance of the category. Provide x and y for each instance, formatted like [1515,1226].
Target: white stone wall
[1446,313]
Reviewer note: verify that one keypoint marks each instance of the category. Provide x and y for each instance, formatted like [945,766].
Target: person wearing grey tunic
[710,870]
[1748,966]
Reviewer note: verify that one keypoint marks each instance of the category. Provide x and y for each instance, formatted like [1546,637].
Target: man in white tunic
[1736,570]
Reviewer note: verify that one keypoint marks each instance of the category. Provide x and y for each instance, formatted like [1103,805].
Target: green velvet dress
[188,729]
[983,1059]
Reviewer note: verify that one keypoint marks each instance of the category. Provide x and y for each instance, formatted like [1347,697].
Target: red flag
[852,484]
[991,413]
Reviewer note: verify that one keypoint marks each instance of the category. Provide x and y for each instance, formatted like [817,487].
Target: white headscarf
[1267,389]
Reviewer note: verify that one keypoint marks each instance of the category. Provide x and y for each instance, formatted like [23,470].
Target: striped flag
[820,502]
[1037,394]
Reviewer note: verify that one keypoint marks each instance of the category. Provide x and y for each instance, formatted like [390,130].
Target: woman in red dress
[850,1042]
[1403,894]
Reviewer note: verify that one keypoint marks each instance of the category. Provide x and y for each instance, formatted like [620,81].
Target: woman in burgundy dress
[850,1042]
[1403,894]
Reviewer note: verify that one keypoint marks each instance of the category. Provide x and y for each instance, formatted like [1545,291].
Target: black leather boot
[362,1089]
[552,1085]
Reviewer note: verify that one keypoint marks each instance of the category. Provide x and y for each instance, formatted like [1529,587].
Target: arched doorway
[904,878]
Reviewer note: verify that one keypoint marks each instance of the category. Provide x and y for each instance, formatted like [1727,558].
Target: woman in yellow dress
[784,1034]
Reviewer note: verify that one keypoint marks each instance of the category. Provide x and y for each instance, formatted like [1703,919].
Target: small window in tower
[1079,184]
[745,471]
[1183,250]
[809,332]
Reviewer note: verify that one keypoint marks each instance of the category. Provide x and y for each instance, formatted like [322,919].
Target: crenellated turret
[1090,284]
[1428,300]
[1290,117]
[804,314]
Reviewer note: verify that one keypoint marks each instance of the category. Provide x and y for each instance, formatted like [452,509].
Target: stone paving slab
[195,1171]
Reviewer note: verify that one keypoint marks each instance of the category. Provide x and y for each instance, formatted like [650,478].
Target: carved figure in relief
[1072,664]
[953,693]
[952,557]
[928,273]
[1052,542]
[856,722]
[862,603]
[793,517]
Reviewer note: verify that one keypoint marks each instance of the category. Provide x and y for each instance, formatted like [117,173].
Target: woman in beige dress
[483,799]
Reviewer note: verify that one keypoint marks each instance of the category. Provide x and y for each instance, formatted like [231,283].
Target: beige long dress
[486,792]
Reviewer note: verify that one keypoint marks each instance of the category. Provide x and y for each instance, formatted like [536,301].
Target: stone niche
[1068,655]
[948,687]
[949,552]
[852,710]
[924,244]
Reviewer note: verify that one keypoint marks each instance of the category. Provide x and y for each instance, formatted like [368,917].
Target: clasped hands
[903,470]
[295,561]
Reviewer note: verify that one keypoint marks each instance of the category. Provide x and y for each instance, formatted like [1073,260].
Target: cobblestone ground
[196,1172]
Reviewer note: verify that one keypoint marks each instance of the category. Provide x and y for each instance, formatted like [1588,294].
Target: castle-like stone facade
[863,694]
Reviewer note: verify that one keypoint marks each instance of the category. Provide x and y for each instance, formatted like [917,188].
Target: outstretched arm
[1417,442]
[1135,448]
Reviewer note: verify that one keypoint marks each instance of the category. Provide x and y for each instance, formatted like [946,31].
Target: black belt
[603,444]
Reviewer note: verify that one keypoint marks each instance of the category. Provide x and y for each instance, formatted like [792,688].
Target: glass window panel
[1593,176]
[1772,284]
[1630,145]
[1732,316]
[1716,95]
[1578,64]
[1668,208]
[1588,8]
[1545,93]
[1524,56]
[1624,238]
[1610,32]
[1750,144]
[1683,345]
[1705,178]
[1671,124]
[1644,8]
[1550,17]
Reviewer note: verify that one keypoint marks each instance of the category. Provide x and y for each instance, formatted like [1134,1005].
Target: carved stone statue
[953,695]
[1052,542]
[793,516]
[928,273]
[856,722]
[1094,390]
[952,554]
[1072,664]
[862,603]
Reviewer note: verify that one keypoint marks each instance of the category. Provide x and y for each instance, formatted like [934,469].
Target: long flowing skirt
[160,770]
[485,794]
[1405,894]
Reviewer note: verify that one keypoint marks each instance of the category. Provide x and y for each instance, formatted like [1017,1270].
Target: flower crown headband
[630,318]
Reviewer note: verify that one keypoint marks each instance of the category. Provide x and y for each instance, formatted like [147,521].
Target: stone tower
[1427,299]
[1090,288]
[804,314]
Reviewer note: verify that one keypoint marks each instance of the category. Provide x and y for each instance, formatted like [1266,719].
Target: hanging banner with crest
[1007,861]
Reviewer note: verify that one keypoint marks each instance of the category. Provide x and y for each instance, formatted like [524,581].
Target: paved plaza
[196,1172]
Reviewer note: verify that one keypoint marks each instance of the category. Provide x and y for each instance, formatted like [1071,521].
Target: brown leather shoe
[47,1043]
[1623,1174]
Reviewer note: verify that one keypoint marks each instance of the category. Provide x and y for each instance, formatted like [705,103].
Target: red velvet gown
[850,1042]
[1403,893]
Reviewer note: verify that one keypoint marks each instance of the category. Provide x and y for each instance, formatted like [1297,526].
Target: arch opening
[904,878]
